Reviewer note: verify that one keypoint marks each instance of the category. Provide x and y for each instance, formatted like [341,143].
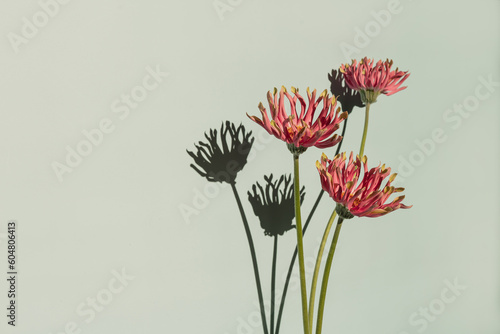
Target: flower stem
[294,256]
[300,248]
[316,269]
[254,258]
[292,263]
[326,275]
[365,130]
[339,146]
[273,281]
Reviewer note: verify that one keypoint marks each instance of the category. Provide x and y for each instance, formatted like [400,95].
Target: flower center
[293,132]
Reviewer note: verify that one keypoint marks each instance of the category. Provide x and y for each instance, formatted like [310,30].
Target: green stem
[316,269]
[294,256]
[365,130]
[292,263]
[326,275]
[273,281]
[300,248]
[254,258]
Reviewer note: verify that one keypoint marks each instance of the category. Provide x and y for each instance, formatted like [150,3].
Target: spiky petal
[371,79]
[299,129]
[361,196]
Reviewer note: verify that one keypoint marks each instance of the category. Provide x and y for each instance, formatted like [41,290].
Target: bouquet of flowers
[357,189]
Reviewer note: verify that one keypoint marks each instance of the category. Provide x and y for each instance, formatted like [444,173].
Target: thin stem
[254,258]
[316,269]
[365,130]
[300,248]
[294,256]
[292,263]
[273,281]
[326,275]
[343,133]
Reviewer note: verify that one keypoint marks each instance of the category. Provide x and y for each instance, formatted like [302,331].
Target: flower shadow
[348,97]
[222,162]
[273,204]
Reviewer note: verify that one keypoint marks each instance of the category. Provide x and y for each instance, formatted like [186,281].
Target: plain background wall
[120,207]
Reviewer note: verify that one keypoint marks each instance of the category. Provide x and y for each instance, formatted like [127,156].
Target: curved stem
[316,269]
[294,256]
[254,257]
[365,130]
[273,281]
[326,275]
[300,248]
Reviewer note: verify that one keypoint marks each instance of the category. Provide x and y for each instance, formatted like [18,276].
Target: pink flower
[366,199]
[300,131]
[372,80]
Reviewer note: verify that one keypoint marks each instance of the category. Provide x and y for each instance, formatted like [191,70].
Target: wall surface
[99,101]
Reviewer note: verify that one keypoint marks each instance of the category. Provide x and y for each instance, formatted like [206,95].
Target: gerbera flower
[301,131]
[354,196]
[372,80]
